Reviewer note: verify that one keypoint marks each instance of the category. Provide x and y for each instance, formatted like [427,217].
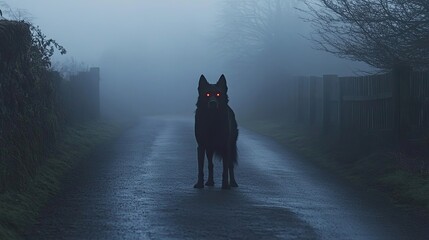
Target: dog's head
[212,96]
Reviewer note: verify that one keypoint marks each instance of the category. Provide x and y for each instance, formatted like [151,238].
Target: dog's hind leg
[209,154]
[232,181]
[200,182]
[225,183]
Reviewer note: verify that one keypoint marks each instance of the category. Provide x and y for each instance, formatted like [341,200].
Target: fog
[151,53]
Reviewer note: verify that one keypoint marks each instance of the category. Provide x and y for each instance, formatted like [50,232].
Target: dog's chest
[215,126]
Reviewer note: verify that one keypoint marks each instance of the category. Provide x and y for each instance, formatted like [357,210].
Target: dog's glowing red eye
[218,94]
[208,94]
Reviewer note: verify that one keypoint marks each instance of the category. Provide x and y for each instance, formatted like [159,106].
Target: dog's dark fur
[216,132]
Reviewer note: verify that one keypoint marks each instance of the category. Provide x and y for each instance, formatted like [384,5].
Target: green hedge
[19,209]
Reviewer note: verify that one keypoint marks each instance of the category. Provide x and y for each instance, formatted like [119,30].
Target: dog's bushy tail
[234,154]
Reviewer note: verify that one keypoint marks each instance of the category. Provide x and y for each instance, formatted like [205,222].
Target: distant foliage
[69,67]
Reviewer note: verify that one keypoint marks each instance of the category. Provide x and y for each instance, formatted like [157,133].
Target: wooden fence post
[325,105]
[312,100]
[95,92]
[401,101]
[341,107]
[300,92]
[296,98]
[328,81]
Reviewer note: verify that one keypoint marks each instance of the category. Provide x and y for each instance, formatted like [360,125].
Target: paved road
[141,188]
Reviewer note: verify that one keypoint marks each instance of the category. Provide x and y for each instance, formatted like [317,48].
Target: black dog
[216,131]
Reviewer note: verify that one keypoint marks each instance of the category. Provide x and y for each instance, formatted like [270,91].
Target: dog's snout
[213,104]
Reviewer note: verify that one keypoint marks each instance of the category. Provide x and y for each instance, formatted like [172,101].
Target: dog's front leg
[200,182]
[225,184]
[232,183]
[210,181]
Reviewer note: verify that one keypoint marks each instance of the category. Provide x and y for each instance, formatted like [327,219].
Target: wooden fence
[361,104]
[81,96]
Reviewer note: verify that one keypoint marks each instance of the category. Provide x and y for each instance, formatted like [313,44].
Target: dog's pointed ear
[222,83]
[202,83]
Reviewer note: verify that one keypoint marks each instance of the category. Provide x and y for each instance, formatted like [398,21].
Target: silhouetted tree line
[32,101]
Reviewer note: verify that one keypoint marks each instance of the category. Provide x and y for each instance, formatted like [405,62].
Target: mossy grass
[19,209]
[378,169]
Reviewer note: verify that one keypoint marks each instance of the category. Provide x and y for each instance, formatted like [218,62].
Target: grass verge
[379,169]
[18,210]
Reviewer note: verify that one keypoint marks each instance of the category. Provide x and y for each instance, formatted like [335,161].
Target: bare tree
[255,29]
[383,33]
[14,14]
[69,66]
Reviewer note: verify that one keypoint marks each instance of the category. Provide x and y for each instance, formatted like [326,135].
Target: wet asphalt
[141,187]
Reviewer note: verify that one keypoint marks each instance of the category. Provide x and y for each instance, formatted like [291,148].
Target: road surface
[141,187]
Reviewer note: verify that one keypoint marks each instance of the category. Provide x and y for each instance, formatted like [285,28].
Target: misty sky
[150,51]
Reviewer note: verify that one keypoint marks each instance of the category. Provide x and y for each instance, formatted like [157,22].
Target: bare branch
[382,33]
